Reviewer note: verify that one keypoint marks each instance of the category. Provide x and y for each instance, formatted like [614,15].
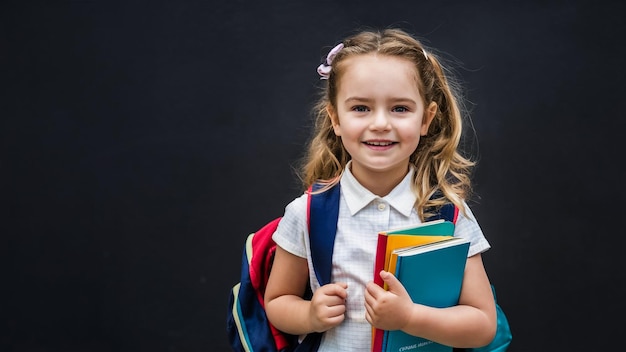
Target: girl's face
[380,114]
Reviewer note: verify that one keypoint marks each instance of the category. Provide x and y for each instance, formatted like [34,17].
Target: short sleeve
[467,227]
[292,229]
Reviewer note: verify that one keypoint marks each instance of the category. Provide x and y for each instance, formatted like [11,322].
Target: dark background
[142,142]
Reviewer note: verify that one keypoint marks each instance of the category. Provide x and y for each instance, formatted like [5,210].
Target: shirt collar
[402,198]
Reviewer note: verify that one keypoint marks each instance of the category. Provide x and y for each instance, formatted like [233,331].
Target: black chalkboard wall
[141,143]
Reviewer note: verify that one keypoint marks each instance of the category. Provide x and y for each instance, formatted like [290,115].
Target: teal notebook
[432,275]
[438,227]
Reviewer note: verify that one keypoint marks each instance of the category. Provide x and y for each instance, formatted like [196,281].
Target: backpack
[247,324]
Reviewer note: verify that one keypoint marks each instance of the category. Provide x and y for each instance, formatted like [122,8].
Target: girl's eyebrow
[403,100]
[357,99]
[367,100]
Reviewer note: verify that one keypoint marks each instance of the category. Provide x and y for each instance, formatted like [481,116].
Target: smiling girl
[388,128]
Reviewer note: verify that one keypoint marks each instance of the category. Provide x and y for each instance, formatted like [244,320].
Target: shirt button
[381,206]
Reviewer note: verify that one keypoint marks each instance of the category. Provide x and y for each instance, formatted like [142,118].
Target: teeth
[380,143]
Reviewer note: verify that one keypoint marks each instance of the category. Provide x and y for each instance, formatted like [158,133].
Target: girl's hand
[391,309]
[328,306]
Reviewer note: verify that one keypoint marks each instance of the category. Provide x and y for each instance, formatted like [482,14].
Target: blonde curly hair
[442,173]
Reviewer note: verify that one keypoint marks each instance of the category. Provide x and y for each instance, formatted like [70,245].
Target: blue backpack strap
[323,213]
[448,211]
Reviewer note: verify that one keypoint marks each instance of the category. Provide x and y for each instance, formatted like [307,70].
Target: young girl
[388,126]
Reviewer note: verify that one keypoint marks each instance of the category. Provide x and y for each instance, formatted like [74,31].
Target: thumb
[392,283]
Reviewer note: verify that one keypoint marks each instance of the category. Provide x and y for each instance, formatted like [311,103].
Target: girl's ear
[334,119]
[429,115]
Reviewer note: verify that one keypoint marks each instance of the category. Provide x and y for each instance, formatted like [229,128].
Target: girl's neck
[380,183]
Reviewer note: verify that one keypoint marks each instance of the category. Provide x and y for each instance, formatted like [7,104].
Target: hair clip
[325,67]
[425,55]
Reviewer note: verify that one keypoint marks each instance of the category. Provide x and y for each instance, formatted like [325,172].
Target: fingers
[338,288]
[384,307]
[329,305]
[335,300]
[373,292]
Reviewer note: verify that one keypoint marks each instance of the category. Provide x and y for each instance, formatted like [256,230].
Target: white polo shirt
[362,215]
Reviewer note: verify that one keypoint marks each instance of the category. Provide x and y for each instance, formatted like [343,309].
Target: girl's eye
[359,108]
[400,109]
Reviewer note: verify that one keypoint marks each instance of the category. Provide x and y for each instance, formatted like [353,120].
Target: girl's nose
[380,121]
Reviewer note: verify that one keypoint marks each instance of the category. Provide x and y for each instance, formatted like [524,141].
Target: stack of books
[430,263]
